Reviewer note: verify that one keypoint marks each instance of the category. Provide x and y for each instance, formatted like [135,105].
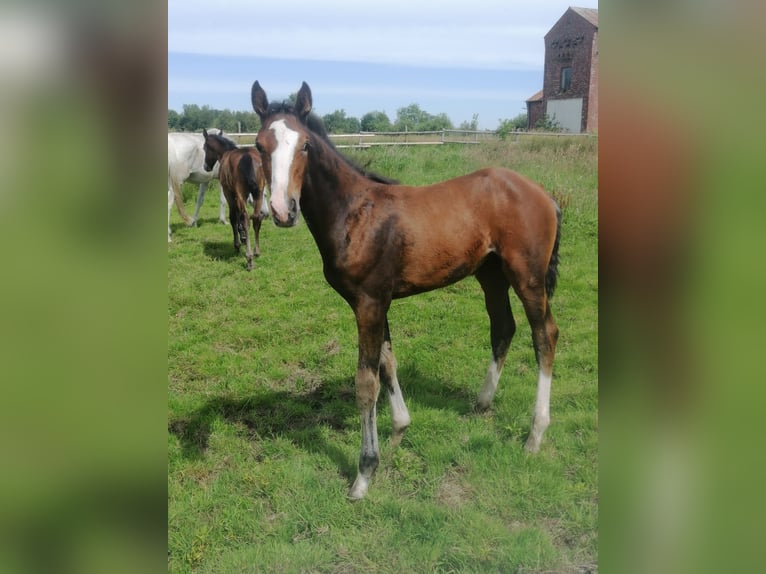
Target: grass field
[263,429]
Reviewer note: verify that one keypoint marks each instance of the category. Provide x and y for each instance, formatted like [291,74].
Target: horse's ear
[204,133]
[303,101]
[259,99]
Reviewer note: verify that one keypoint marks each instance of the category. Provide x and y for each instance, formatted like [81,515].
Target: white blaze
[281,163]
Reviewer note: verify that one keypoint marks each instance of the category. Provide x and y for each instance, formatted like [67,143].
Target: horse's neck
[327,191]
[222,147]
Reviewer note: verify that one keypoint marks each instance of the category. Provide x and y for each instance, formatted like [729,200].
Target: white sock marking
[487,392]
[542,416]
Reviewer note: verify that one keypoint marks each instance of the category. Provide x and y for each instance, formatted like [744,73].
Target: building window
[566,79]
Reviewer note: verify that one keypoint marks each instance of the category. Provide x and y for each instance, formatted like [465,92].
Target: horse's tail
[552,274]
[247,169]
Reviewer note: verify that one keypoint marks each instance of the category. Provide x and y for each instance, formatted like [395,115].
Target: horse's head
[211,154]
[284,143]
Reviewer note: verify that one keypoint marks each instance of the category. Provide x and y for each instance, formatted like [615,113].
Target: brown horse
[381,242]
[241,174]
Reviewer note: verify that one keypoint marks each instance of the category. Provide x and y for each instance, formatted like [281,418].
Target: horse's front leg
[170,207]
[200,201]
[370,320]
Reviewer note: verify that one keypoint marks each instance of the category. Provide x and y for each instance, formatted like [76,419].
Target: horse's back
[449,228]
[489,198]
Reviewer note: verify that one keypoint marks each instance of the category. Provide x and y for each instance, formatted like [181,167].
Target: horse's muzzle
[290,219]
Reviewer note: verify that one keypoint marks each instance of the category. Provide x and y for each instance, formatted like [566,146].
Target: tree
[436,123]
[409,118]
[338,123]
[507,126]
[548,124]
[173,120]
[412,118]
[248,122]
[225,121]
[473,125]
[375,122]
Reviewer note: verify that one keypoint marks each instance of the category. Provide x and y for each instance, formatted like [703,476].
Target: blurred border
[83,290]
[681,199]
[83,294]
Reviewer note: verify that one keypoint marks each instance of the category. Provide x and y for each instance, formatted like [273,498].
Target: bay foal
[381,242]
[241,174]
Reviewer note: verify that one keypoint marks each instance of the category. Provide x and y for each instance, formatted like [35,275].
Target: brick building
[570,80]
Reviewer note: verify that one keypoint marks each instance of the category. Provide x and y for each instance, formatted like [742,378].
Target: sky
[461,58]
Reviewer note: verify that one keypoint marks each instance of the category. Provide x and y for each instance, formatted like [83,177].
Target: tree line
[408,118]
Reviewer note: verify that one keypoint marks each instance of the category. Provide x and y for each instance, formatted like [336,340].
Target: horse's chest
[361,262]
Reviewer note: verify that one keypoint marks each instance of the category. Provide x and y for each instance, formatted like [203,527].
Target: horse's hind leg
[501,324]
[248,248]
[399,414]
[234,221]
[243,230]
[222,208]
[545,334]
[257,217]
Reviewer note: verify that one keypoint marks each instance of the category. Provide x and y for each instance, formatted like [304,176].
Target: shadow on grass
[177,226]
[299,416]
[221,250]
[433,393]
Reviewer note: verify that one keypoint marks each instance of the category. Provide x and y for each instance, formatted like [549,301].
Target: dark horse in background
[381,242]
[241,175]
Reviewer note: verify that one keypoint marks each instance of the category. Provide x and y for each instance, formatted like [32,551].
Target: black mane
[224,141]
[316,126]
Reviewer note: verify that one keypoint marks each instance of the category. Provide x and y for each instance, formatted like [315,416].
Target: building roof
[537,97]
[590,14]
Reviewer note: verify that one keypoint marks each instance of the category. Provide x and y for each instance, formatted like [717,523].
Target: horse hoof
[482,407]
[396,439]
[532,446]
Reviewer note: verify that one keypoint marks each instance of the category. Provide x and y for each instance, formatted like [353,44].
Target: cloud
[447,46]
[483,34]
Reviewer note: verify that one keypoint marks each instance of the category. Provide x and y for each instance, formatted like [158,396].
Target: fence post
[443,135]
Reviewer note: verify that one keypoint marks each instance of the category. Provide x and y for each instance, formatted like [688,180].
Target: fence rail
[406,138]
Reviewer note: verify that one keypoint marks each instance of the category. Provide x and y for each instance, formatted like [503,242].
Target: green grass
[263,430]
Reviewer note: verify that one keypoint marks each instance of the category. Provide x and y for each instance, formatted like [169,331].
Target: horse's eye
[306,145]
[259,147]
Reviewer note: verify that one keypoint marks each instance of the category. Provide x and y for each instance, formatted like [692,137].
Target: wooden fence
[440,137]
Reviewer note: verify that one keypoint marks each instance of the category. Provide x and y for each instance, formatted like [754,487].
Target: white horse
[185,163]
